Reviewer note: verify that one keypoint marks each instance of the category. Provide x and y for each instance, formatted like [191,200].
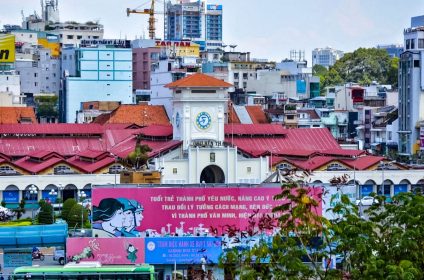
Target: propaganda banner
[176,211]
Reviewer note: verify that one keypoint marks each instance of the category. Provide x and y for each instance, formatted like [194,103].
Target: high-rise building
[194,21]
[411,90]
[326,56]
[393,50]
[96,73]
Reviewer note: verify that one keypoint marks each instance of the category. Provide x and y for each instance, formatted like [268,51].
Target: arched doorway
[70,191]
[212,174]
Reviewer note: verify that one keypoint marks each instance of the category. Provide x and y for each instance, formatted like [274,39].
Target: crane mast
[151,12]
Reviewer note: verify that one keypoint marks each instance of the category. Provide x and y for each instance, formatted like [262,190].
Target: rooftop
[198,80]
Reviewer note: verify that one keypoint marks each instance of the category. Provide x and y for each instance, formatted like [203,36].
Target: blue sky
[266,28]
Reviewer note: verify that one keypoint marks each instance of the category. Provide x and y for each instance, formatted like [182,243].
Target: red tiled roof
[198,80]
[43,155]
[257,115]
[232,115]
[14,115]
[254,129]
[55,128]
[342,152]
[139,114]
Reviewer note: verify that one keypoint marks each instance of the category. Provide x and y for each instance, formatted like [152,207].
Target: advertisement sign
[106,250]
[129,212]
[17,257]
[214,7]
[183,250]
[53,46]
[7,48]
[11,196]
[332,196]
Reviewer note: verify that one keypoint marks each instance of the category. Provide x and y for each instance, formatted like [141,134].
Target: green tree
[74,216]
[67,206]
[366,65]
[46,213]
[20,210]
[138,158]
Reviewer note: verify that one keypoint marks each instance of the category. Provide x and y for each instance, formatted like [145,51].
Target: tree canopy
[362,66]
[386,243]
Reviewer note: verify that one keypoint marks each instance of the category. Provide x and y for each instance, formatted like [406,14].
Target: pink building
[143,58]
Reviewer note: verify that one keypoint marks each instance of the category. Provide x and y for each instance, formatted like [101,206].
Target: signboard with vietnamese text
[106,250]
[17,257]
[130,211]
[183,250]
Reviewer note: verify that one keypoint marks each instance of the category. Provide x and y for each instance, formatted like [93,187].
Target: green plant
[67,206]
[74,216]
[46,214]
[3,203]
[20,210]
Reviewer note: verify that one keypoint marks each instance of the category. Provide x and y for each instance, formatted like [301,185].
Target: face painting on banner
[150,212]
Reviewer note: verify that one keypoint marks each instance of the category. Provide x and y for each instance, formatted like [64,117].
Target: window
[408,44]
[35,75]
[335,166]
[285,166]
[212,157]
[79,36]
[70,36]
[236,76]
[114,169]
[249,169]
[244,76]
[174,170]
[421,43]
[412,44]
[36,84]
[62,169]
[416,63]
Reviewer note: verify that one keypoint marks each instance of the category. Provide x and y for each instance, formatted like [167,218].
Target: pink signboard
[106,250]
[179,211]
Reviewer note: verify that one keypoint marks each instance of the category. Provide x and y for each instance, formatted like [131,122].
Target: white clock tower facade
[198,120]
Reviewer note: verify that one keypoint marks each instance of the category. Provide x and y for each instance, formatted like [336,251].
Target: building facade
[411,91]
[95,74]
[325,56]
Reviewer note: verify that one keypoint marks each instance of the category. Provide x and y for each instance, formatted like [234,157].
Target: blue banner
[366,190]
[183,250]
[17,257]
[47,197]
[11,196]
[400,188]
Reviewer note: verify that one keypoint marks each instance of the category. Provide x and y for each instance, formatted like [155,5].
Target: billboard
[7,48]
[149,212]
[183,250]
[106,250]
[332,195]
[212,7]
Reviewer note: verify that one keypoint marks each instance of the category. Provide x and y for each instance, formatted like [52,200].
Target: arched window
[114,169]
[335,167]
[7,170]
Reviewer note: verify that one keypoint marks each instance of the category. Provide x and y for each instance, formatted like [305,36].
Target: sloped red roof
[254,129]
[93,154]
[53,128]
[363,162]
[157,131]
[312,163]
[14,115]
[90,167]
[232,115]
[43,155]
[36,167]
[198,80]
[139,114]
[306,139]
[343,152]
[257,115]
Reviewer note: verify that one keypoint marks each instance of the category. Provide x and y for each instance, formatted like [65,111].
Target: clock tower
[199,103]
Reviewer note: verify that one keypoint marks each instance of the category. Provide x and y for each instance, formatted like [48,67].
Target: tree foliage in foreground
[389,244]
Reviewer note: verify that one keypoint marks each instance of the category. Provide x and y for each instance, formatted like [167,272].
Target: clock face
[203,120]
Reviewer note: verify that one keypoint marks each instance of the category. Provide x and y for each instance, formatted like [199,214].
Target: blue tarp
[34,236]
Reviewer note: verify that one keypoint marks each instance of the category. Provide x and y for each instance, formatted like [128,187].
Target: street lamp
[82,195]
[53,193]
[33,191]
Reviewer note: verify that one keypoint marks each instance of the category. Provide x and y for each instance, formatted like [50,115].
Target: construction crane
[151,12]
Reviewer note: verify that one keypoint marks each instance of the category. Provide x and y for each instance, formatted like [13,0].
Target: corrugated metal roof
[90,167]
[36,167]
[157,131]
[57,128]
[254,129]
[257,115]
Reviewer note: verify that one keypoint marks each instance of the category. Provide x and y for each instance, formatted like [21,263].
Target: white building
[10,89]
[411,90]
[101,74]
[200,103]
[326,56]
